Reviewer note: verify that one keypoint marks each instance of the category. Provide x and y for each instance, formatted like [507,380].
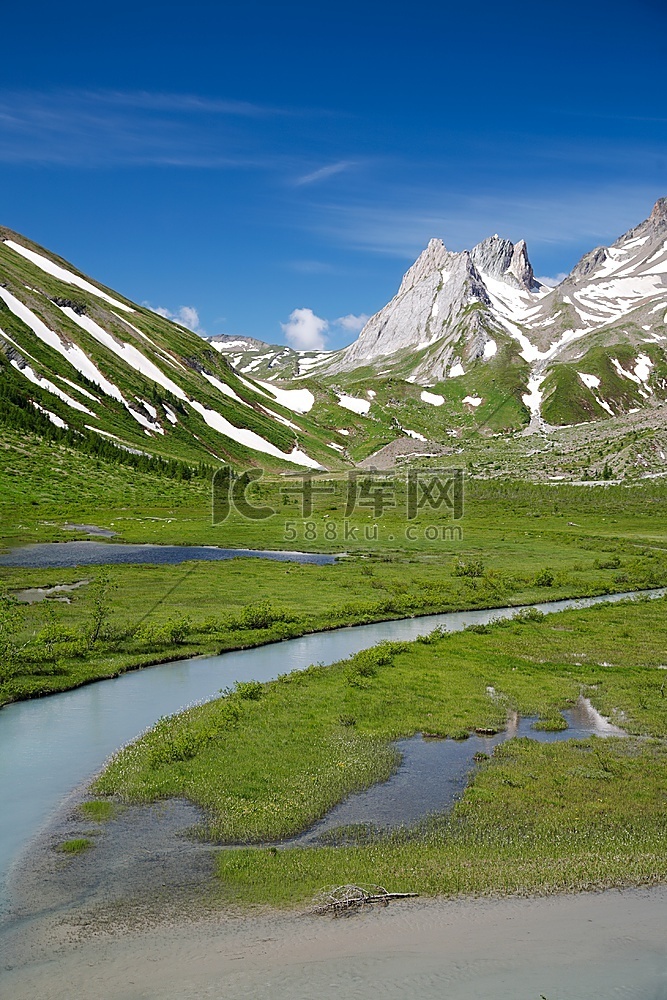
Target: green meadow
[515,543]
[266,761]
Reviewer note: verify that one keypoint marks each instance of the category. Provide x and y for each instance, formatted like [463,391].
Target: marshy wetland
[276,754]
[239,803]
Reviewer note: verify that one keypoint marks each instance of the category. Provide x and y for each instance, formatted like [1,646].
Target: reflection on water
[433,773]
[48,746]
[59,555]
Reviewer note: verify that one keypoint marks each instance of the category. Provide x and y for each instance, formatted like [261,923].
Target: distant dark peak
[659,214]
[236,341]
[589,262]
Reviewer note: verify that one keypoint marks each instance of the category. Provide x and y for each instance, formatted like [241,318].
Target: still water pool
[50,745]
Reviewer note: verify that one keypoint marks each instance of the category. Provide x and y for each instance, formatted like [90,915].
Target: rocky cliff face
[506,261]
[445,309]
[454,307]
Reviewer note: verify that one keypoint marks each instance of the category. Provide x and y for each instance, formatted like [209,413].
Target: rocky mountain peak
[493,255]
[659,214]
[434,258]
[505,260]
[655,225]
[588,263]
[520,267]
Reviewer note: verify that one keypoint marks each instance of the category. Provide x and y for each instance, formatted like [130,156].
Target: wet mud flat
[140,915]
[141,868]
[597,946]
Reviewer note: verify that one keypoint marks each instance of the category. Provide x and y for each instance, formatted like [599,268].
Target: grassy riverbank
[268,760]
[126,617]
[516,543]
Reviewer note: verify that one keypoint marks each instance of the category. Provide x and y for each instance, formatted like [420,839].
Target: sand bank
[600,945]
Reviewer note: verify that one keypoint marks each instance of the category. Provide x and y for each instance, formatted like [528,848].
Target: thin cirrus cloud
[324,173]
[400,224]
[114,128]
[305,331]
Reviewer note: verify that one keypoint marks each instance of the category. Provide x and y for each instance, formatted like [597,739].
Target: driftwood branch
[343,898]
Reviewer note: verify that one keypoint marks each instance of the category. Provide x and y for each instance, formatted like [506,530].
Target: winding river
[51,745]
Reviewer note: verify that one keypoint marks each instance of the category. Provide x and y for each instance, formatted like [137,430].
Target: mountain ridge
[472,343]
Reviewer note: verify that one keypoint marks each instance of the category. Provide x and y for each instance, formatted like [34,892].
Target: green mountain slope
[91,363]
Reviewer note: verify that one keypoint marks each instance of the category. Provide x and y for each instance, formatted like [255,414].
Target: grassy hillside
[130,376]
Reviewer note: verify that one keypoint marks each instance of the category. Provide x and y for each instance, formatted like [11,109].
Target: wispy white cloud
[352,323]
[186,316]
[400,223]
[324,173]
[110,128]
[552,282]
[305,331]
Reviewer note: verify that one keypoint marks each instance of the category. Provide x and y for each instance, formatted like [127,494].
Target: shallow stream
[49,746]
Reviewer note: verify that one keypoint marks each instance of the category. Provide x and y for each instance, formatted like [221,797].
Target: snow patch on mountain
[244,436]
[127,352]
[45,383]
[225,389]
[297,400]
[432,397]
[149,426]
[56,271]
[643,367]
[353,403]
[158,350]
[70,351]
[533,398]
[79,388]
[53,417]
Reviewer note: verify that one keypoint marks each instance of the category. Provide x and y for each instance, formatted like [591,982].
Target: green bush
[170,633]
[527,615]
[473,568]
[249,690]
[263,614]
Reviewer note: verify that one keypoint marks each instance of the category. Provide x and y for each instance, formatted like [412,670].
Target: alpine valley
[472,348]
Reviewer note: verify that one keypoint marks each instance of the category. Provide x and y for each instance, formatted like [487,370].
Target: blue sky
[245,160]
